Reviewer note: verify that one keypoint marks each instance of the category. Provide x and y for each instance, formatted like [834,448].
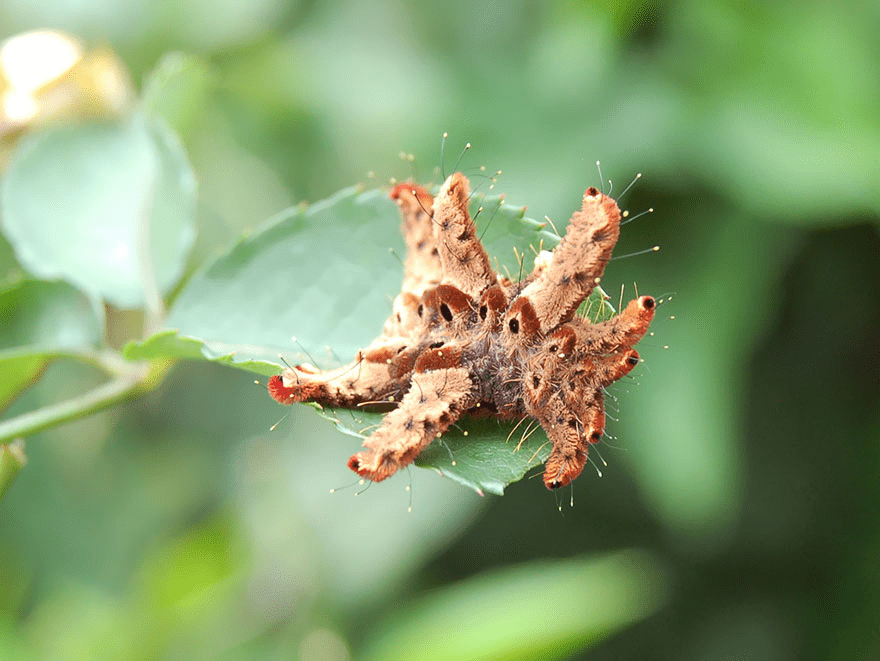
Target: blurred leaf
[48,314]
[40,320]
[177,90]
[12,460]
[79,621]
[79,201]
[775,164]
[690,463]
[11,641]
[10,271]
[548,610]
[20,369]
[180,576]
[767,136]
[225,25]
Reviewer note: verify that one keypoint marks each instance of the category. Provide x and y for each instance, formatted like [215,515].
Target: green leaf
[325,275]
[169,344]
[12,460]
[322,274]
[20,370]
[487,455]
[10,271]
[54,315]
[546,610]
[42,320]
[185,575]
[79,202]
[483,454]
[177,90]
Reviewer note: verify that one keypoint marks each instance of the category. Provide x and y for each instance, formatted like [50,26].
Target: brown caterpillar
[461,336]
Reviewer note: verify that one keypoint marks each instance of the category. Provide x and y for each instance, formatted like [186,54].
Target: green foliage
[176,526]
[178,89]
[536,612]
[170,344]
[119,198]
[12,459]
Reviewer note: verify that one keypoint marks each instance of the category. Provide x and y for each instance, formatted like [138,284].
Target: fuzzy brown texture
[436,399]
[464,260]
[462,338]
[382,380]
[422,266]
[578,260]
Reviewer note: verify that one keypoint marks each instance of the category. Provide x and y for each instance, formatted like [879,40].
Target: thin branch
[127,386]
[108,362]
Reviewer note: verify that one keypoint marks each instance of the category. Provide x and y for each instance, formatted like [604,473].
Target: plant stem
[125,386]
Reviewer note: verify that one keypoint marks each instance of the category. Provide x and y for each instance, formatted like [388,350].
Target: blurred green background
[737,515]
